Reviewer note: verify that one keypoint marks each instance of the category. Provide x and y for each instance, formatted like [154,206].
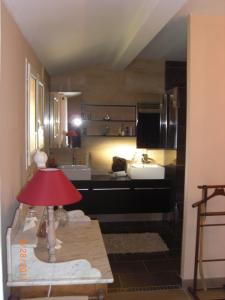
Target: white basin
[146,171]
[76,172]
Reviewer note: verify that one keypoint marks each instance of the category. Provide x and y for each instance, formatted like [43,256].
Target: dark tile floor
[157,270]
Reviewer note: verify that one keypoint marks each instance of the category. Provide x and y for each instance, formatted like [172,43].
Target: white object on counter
[119,173]
[77,216]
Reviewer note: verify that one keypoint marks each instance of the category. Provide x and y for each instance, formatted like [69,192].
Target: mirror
[65,119]
[157,122]
[171,98]
[151,125]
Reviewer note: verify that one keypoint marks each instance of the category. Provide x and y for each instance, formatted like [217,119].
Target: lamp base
[51,234]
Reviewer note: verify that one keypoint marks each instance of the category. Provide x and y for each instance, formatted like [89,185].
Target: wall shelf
[108,121]
[107,136]
[121,120]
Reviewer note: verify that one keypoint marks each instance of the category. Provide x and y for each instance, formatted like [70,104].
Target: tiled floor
[146,271]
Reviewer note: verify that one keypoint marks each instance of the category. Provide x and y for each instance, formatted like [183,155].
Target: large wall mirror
[65,119]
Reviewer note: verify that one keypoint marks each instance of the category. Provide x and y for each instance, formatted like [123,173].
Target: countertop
[107,177]
[106,181]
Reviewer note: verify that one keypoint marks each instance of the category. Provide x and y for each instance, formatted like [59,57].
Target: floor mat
[134,243]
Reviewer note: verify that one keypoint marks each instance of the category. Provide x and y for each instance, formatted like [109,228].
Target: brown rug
[134,243]
[176,294]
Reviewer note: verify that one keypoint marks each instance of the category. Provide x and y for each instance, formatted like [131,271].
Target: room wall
[14,50]
[142,81]
[102,85]
[205,148]
[1,235]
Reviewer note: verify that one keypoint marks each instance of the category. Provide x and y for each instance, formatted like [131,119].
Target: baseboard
[210,283]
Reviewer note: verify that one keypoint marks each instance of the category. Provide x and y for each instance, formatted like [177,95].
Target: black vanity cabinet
[107,196]
[151,196]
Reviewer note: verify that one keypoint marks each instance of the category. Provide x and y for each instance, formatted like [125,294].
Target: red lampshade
[72,132]
[49,187]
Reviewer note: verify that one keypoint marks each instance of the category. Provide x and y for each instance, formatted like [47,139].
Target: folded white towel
[120,173]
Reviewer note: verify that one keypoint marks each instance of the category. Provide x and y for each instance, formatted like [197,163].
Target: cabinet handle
[83,189]
[111,189]
[153,188]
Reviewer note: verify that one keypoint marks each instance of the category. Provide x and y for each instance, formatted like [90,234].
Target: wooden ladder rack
[218,190]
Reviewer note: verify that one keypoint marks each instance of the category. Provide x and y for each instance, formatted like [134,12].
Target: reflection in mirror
[172,118]
[34,113]
[151,125]
[65,119]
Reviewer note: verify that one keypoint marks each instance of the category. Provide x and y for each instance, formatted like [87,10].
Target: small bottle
[130,131]
[126,131]
[84,131]
[122,131]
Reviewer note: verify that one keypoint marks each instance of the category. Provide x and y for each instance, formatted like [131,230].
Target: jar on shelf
[107,117]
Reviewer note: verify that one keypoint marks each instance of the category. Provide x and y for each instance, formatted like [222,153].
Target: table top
[81,240]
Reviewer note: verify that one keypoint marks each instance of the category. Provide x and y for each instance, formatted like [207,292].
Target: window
[34,113]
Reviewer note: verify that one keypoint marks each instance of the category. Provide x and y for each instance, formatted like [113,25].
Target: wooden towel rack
[202,214]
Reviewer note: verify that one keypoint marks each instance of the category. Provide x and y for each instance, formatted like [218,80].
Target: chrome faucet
[146,160]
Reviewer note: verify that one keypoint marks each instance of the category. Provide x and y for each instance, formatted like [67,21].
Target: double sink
[134,171]
[146,171]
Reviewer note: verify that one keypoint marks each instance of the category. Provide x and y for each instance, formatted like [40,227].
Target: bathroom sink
[146,171]
[76,172]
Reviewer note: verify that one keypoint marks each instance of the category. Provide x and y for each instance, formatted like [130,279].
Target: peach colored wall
[14,50]
[205,152]
[1,235]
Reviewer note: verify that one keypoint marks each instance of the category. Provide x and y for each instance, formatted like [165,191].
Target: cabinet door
[151,125]
[105,201]
[111,200]
[150,200]
[172,118]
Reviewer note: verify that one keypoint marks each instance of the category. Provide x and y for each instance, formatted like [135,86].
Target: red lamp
[49,187]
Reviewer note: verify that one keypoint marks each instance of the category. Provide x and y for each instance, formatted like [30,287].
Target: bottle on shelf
[122,130]
[130,130]
[127,131]
[107,117]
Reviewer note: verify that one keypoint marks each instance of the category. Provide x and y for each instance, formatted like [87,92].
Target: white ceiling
[170,42]
[68,34]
